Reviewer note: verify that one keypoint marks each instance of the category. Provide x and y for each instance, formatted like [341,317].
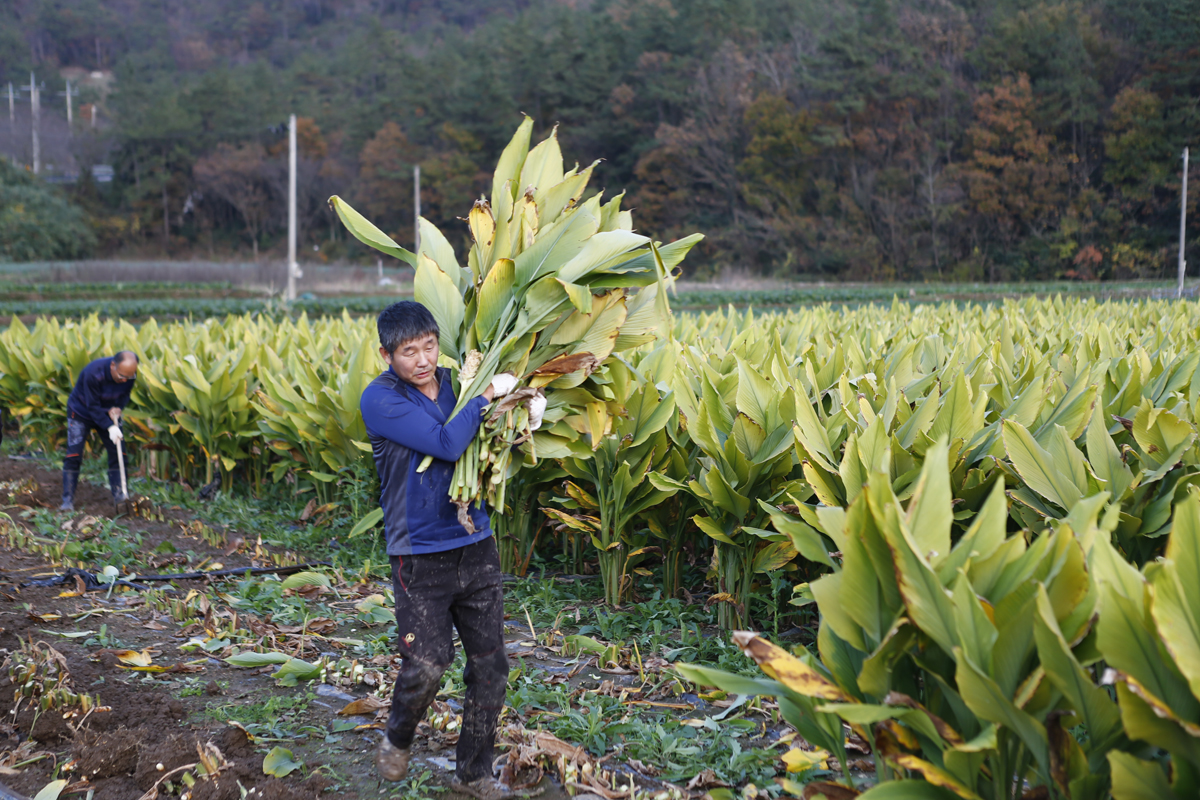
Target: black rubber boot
[70,481]
[114,483]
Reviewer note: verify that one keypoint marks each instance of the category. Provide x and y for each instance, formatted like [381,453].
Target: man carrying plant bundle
[443,572]
[95,403]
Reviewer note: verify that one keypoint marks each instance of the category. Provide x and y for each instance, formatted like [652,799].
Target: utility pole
[35,113]
[70,117]
[12,120]
[293,267]
[1183,222]
[93,115]
[417,208]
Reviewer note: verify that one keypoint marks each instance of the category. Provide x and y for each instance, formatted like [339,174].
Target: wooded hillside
[843,139]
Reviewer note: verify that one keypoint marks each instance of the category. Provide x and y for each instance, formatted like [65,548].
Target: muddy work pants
[434,591]
[78,430]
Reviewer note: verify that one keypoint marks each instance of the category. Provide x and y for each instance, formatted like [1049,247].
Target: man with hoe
[443,575]
[95,403]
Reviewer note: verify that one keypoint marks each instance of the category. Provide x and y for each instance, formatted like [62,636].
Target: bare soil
[155,721]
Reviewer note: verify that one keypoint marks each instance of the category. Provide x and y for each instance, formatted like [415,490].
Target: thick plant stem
[612,552]
[612,573]
[673,560]
[672,580]
[516,529]
[735,573]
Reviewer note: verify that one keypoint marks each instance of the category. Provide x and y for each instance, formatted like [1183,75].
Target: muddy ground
[154,721]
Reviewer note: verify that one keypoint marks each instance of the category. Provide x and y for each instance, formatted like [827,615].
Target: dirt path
[154,720]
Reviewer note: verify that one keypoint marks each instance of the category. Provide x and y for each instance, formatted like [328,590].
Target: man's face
[415,361]
[123,372]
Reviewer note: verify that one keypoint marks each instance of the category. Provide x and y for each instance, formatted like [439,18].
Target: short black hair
[124,356]
[402,322]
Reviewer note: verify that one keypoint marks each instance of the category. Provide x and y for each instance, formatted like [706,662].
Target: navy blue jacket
[405,426]
[96,392]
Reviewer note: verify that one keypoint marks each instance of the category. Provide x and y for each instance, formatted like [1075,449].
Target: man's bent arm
[408,424]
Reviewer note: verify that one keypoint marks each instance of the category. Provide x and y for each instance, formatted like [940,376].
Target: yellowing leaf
[363,705]
[798,760]
[134,658]
[787,669]
[51,790]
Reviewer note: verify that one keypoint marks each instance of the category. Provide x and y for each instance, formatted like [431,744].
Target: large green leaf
[1135,779]
[436,247]
[829,590]
[1106,460]
[1130,646]
[928,603]
[543,166]
[805,539]
[508,168]
[368,234]
[976,633]
[438,292]
[728,681]
[495,295]
[1038,468]
[1093,704]
[1144,723]
[280,762]
[597,251]
[754,395]
[563,195]
[907,790]
[983,696]
[811,433]
[929,514]
[1073,411]
[1176,608]
[251,659]
[1162,437]
[983,538]
[960,415]
[555,247]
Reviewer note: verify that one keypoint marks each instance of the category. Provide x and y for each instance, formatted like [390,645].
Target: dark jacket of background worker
[100,394]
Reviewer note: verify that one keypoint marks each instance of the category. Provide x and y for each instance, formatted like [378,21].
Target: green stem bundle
[480,473]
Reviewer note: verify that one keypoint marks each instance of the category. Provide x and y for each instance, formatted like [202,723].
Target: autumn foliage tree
[1016,182]
[238,176]
[385,180]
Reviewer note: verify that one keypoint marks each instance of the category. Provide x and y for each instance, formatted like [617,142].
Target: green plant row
[117,289]
[983,665]
[140,301]
[136,308]
[756,424]
[265,398]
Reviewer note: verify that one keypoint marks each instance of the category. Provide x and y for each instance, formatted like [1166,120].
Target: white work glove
[115,434]
[502,384]
[537,408]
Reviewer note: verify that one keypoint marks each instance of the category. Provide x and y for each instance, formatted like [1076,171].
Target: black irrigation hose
[8,794]
[92,583]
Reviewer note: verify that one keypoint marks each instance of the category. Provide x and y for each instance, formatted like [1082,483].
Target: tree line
[825,139]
